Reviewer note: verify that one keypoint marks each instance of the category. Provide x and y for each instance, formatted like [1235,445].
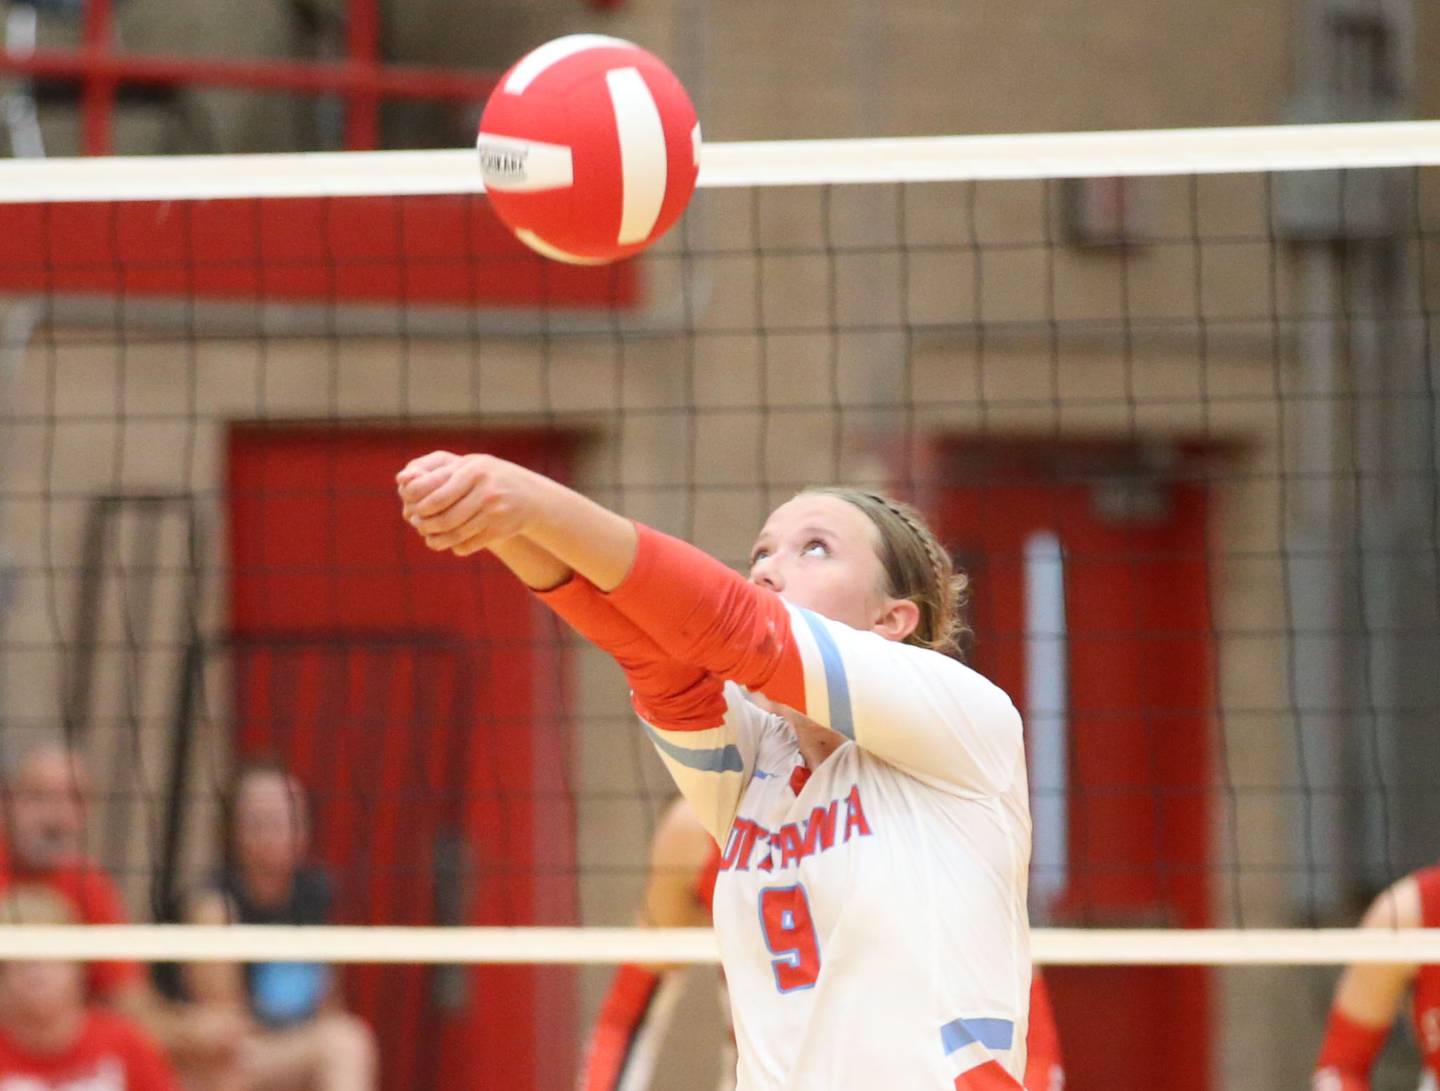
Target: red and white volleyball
[589,149]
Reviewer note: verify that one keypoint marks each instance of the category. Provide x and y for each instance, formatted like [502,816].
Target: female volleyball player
[871,799]
[1368,996]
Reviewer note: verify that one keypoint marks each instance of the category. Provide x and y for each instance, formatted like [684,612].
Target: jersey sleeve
[921,711]
[917,709]
[1427,885]
[712,767]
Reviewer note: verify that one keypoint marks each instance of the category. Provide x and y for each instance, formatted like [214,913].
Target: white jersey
[872,927]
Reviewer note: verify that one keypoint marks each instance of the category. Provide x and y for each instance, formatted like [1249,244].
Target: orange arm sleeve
[666,693]
[700,612]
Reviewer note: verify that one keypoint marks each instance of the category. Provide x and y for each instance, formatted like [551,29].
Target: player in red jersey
[1369,996]
[635,1016]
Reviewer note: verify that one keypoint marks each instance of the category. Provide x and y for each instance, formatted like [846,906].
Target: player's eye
[815,547]
[758,556]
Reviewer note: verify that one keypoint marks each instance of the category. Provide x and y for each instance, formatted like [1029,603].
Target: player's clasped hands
[463,503]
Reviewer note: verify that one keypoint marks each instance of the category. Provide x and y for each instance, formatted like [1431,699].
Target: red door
[1091,606]
[416,697]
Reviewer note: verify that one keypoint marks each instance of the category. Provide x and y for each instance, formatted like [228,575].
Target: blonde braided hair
[917,568]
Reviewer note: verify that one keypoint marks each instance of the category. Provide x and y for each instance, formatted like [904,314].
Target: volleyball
[589,149]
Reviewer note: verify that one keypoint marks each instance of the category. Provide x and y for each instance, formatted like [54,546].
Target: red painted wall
[440,250]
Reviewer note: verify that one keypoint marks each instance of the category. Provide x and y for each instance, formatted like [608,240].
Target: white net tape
[776,163]
[572,946]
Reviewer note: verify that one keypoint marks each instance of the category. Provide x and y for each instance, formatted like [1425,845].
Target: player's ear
[899,619]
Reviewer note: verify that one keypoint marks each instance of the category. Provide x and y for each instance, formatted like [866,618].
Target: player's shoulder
[1404,903]
[886,654]
[982,700]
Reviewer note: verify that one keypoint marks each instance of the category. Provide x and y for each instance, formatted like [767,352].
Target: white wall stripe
[643,168]
[1047,718]
[537,60]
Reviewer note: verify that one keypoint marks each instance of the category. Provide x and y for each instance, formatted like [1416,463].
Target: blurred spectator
[299,1034]
[45,796]
[43,808]
[51,1037]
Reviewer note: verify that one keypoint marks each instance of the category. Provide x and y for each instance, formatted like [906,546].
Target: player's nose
[767,574]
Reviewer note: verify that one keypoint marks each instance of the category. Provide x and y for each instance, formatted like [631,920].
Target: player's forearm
[701,612]
[667,693]
[581,534]
[534,566]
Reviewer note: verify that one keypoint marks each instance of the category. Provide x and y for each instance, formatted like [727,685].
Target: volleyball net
[1170,398]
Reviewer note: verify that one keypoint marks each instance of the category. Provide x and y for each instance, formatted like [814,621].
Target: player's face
[823,553]
[46,811]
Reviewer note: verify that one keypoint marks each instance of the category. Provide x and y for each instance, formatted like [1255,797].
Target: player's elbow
[696,709]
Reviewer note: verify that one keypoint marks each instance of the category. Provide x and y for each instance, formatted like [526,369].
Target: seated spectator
[51,1037]
[299,1034]
[44,799]
[43,808]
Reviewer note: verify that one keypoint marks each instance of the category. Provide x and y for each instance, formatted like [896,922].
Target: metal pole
[1354,61]
[98,101]
[362,106]
[16,329]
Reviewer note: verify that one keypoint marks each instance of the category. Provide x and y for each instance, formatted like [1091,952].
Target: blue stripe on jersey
[719,759]
[836,684]
[990,1033]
